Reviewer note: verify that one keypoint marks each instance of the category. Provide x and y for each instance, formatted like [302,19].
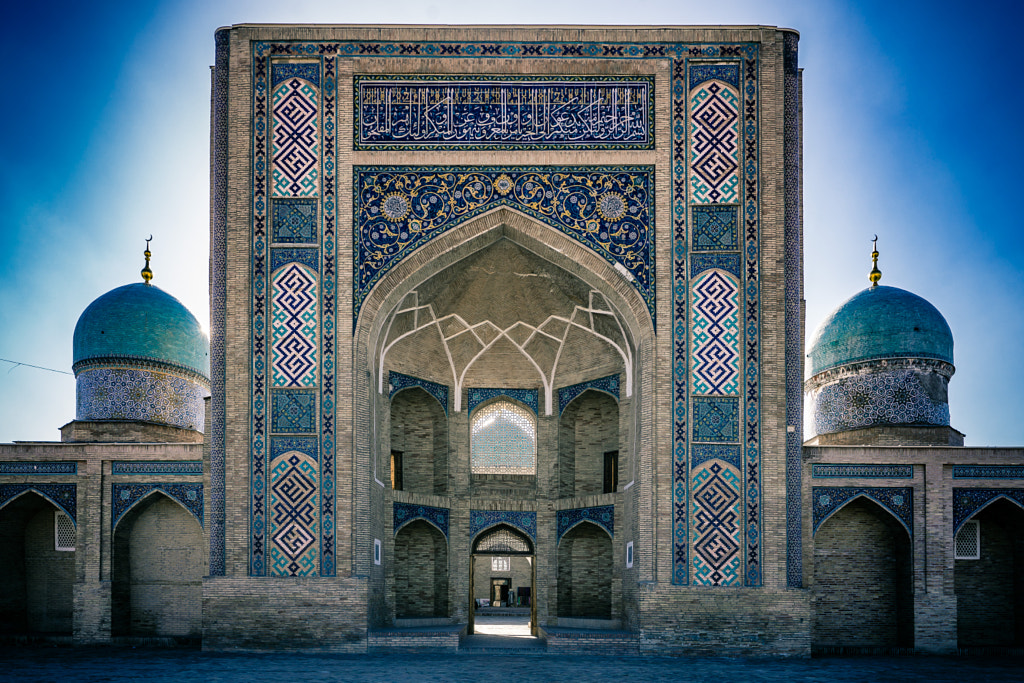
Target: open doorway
[502,574]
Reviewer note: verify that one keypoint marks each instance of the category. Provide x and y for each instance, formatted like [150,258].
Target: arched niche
[588,445]
[157,570]
[990,586]
[419,443]
[585,570]
[36,576]
[863,579]
[421,571]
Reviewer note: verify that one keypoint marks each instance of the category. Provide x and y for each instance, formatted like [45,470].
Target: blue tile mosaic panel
[717,524]
[407,512]
[715,419]
[146,395]
[603,516]
[397,381]
[968,501]
[609,385]
[64,496]
[295,151]
[293,411]
[503,112]
[527,397]
[293,513]
[280,257]
[294,221]
[715,228]
[863,471]
[988,471]
[715,141]
[700,453]
[890,397]
[826,500]
[51,467]
[730,263]
[398,209]
[181,467]
[715,326]
[293,328]
[124,496]
[484,519]
[307,445]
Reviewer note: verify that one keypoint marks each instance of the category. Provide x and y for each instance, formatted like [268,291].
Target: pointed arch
[140,493]
[505,535]
[61,496]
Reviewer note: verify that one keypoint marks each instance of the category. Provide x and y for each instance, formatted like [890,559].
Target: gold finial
[147,274]
[875,275]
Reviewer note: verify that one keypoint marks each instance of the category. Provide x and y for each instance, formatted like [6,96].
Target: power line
[37,367]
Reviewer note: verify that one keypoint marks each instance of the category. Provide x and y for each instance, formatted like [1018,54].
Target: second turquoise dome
[881,322]
[141,321]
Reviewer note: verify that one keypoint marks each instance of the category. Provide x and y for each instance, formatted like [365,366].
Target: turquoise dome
[881,322]
[141,321]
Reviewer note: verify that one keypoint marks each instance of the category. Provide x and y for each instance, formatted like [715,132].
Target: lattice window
[503,440]
[63,532]
[968,541]
[502,541]
[501,564]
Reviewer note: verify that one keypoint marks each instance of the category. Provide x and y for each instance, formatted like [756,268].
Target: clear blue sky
[912,115]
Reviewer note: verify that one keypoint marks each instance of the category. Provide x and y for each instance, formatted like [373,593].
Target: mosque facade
[511,318]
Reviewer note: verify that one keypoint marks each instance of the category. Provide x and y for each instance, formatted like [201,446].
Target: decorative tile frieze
[307,445]
[968,501]
[124,497]
[700,453]
[484,519]
[294,304]
[715,228]
[717,524]
[293,512]
[730,263]
[293,411]
[181,467]
[64,496]
[23,467]
[294,221]
[988,471]
[715,326]
[715,419]
[609,385]
[397,381]
[503,112]
[603,516]
[863,471]
[295,151]
[826,500]
[407,512]
[476,396]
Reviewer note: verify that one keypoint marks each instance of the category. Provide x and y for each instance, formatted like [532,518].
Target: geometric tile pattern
[826,500]
[503,112]
[715,228]
[293,411]
[293,303]
[133,394]
[294,221]
[38,467]
[407,512]
[717,518]
[282,256]
[296,139]
[967,502]
[716,334]
[609,385]
[124,496]
[475,396]
[715,143]
[727,453]
[503,440]
[715,419]
[183,467]
[279,445]
[603,516]
[889,397]
[64,496]
[484,519]
[988,471]
[399,208]
[863,471]
[293,512]
[730,263]
[397,381]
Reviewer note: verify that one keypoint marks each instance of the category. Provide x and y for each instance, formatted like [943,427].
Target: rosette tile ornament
[882,359]
[140,355]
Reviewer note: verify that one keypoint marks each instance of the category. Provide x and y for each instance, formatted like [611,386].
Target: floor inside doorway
[501,633]
[503,625]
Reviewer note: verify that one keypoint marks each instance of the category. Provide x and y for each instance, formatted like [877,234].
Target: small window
[503,440]
[501,564]
[968,541]
[611,471]
[63,532]
[396,470]
[629,555]
[376,551]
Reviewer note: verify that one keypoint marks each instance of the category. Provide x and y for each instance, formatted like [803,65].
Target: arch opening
[421,572]
[585,570]
[419,443]
[588,445]
[503,575]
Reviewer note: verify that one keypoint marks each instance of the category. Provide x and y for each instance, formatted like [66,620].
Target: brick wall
[861,589]
[421,572]
[585,573]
